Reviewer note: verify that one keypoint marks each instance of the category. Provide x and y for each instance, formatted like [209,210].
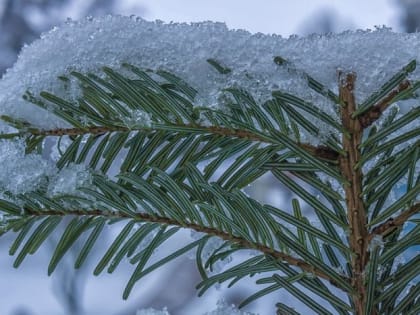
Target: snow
[33,172]
[151,311]
[30,173]
[137,118]
[237,58]
[68,180]
[88,45]
[377,241]
[222,309]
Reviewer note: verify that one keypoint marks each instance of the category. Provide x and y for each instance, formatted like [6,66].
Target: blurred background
[28,291]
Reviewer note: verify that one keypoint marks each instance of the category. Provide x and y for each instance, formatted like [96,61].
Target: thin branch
[95,130]
[208,230]
[322,152]
[394,223]
[376,111]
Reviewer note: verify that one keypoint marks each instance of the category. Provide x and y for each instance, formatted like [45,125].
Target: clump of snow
[68,180]
[22,172]
[136,119]
[377,241]
[225,309]
[184,49]
[222,309]
[151,311]
[2,222]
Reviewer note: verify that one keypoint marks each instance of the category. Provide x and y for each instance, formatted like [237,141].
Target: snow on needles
[183,49]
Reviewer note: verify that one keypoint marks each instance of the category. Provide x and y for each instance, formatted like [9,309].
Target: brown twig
[199,228]
[375,112]
[321,151]
[394,223]
[58,132]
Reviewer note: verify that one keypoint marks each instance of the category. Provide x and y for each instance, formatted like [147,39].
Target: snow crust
[88,45]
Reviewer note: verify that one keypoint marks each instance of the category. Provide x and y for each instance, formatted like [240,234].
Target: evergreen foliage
[185,167]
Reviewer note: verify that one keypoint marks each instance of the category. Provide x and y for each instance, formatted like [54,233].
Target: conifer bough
[135,147]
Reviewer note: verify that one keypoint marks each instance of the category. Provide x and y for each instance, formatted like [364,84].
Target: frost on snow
[184,49]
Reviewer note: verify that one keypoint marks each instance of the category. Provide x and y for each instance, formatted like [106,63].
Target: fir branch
[320,151]
[394,223]
[241,242]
